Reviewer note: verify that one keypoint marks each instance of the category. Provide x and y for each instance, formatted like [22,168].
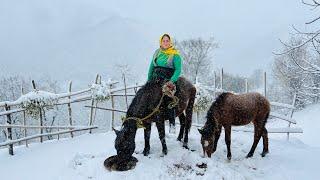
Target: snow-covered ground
[82,157]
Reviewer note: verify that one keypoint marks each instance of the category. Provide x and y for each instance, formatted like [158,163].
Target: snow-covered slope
[309,120]
[82,158]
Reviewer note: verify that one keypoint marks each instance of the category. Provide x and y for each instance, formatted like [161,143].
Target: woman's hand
[169,87]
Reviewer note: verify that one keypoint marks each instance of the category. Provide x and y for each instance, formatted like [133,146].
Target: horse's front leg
[147,133]
[182,119]
[227,130]
[186,131]
[257,136]
[216,137]
[161,131]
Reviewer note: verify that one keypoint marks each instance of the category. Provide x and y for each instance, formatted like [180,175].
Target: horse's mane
[148,87]
[214,108]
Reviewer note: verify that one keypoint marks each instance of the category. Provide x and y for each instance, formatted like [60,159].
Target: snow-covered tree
[287,69]
[197,58]
[298,63]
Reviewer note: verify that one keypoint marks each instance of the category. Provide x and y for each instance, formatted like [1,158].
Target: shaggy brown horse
[143,104]
[235,110]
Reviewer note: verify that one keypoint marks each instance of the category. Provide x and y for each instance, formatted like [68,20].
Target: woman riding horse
[166,65]
[154,102]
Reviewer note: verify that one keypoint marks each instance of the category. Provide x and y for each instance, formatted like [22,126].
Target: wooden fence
[68,98]
[86,95]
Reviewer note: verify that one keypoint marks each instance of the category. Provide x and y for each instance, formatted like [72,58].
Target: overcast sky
[247,31]
[64,31]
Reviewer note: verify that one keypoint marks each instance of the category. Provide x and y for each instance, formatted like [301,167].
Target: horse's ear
[116,131]
[200,131]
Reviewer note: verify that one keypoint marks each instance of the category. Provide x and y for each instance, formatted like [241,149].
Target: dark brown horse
[235,110]
[143,104]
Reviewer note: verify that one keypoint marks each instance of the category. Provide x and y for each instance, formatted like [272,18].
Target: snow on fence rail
[36,102]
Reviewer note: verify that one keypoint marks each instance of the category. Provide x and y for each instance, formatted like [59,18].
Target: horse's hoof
[185,145]
[165,151]
[249,155]
[229,158]
[179,139]
[264,153]
[146,152]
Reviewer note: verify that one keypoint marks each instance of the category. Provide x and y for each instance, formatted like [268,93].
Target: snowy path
[82,158]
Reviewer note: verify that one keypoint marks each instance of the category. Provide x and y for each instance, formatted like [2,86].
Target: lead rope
[166,92]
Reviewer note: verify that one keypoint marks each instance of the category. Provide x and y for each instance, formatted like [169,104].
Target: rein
[140,121]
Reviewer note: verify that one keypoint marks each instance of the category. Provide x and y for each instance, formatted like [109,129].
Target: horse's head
[209,131]
[207,140]
[143,103]
[125,140]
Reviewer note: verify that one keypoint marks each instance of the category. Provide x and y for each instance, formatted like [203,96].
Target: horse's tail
[268,109]
[189,109]
[267,117]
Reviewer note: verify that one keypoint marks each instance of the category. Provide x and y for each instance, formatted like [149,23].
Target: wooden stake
[221,79]
[24,118]
[125,90]
[246,81]
[69,108]
[292,111]
[92,108]
[112,112]
[41,124]
[34,85]
[7,108]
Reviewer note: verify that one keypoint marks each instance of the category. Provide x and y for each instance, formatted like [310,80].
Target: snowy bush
[36,100]
[100,92]
[203,98]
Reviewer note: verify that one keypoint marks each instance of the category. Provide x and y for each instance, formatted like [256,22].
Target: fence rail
[10,142]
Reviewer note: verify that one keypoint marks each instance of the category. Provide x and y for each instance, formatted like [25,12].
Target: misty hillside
[69,40]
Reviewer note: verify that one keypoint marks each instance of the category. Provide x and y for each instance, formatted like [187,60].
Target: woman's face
[165,42]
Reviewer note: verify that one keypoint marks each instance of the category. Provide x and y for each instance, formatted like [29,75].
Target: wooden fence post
[125,89]
[7,108]
[96,103]
[92,108]
[24,117]
[221,79]
[41,124]
[246,81]
[112,106]
[291,112]
[69,108]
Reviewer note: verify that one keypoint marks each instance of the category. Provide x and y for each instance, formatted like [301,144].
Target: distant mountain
[70,40]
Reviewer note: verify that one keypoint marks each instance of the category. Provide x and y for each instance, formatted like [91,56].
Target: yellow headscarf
[169,51]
